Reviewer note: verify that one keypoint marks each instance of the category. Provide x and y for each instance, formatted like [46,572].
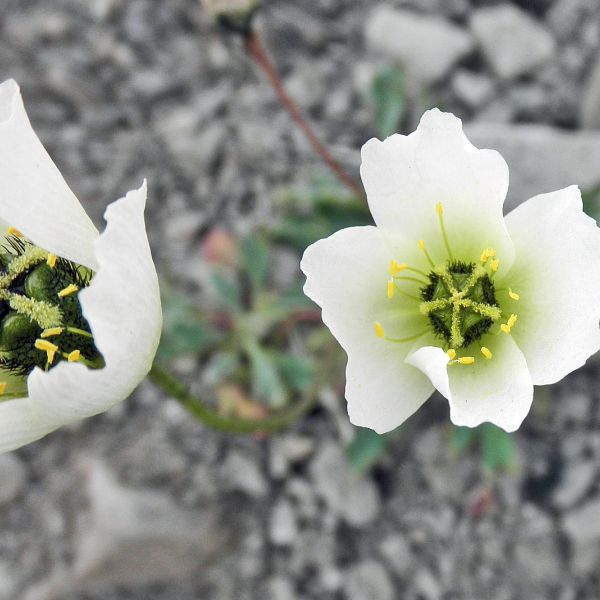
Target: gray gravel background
[141,503]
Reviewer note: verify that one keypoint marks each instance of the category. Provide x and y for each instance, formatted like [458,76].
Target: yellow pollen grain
[505,328]
[487,254]
[379,332]
[486,352]
[451,353]
[3,385]
[51,260]
[14,231]
[51,332]
[494,265]
[466,360]
[391,289]
[513,295]
[439,209]
[512,320]
[74,356]
[70,289]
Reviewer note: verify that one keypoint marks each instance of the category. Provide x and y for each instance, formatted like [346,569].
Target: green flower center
[41,321]
[460,302]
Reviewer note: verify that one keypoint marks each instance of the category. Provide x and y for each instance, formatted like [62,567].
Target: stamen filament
[81,332]
[440,211]
[406,339]
[422,247]
[407,278]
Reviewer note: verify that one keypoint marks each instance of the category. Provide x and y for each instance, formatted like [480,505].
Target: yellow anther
[396,267]
[494,265]
[48,347]
[451,353]
[70,289]
[51,332]
[74,356]
[512,320]
[391,289]
[439,209]
[505,328]
[379,332]
[486,352]
[3,385]
[422,244]
[466,360]
[51,260]
[14,231]
[487,254]
[513,295]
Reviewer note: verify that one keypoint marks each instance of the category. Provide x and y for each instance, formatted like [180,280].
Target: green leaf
[255,257]
[220,367]
[388,95]
[185,329]
[227,290]
[461,438]
[267,384]
[498,447]
[297,371]
[366,448]
[591,202]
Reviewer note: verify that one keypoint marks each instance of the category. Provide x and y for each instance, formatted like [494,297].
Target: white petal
[34,197]
[557,274]
[406,176]
[346,275]
[499,390]
[122,306]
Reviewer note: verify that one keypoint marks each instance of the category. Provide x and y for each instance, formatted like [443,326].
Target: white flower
[52,243]
[477,306]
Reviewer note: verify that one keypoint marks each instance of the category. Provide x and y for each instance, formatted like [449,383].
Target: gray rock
[396,551]
[283,528]
[240,473]
[8,582]
[427,586]
[512,42]
[280,588]
[579,476]
[12,477]
[132,537]
[541,159]
[582,527]
[368,580]
[473,89]
[426,46]
[348,494]
[590,101]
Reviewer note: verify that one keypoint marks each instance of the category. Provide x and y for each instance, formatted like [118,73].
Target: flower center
[41,321]
[458,299]
[460,302]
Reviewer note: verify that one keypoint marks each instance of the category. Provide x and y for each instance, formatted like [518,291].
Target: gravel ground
[141,503]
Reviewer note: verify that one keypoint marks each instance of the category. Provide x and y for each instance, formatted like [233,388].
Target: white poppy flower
[445,293]
[80,311]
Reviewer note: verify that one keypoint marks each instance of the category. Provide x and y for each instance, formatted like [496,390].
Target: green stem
[177,390]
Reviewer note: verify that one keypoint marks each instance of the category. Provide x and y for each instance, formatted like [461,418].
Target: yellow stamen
[487,254]
[74,356]
[513,295]
[396,267]
[391,289]
[379,332]
[512,320]
[451,353]
[422,247]
[51,260]
[494,265]
[48,347]
[439,209]
[3,385]
[50,332]
[505,328]
[14,231]
[486,352]
[466,360]
[70,289]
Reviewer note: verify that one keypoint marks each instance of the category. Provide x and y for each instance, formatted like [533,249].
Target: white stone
[242,474]
[473,89]
[541,159]
[283,528]
[428,47]
[513,43]
[577,479]
[583,529]
[12,477]
[590,101]
[368,580]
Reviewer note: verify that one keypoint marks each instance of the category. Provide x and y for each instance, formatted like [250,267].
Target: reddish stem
[257,51]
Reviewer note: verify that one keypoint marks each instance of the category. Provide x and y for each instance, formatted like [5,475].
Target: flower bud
[233,15]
